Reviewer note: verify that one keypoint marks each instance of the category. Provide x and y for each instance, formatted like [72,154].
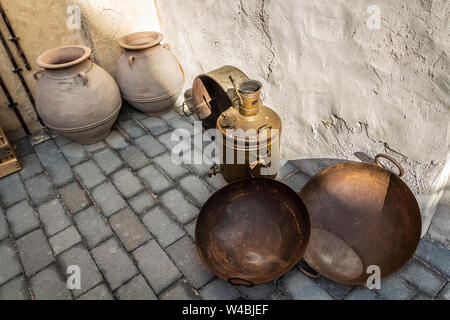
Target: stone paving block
[100,292]
[137,114]
[107,160]
[156,266]
[202,168]
[297,181]
[34,251]
[22,218]
[185,256]
[94,147]
[169,143]
[127,183]
[170,168]
[162,227]
[150,146]
[396,288]
[132,129]
[23,147]
[115,264]
[181,124]
[4,230]
[361,293]
[435,254]
[181,208]
[422,277]
[48,285]
[196,188]
[420,296]
[74,153]
[108,198]
[40,189]
[134,157]
[155,125]
[445,293]
[89,174]
[336,290]
[12,190]
[53,217]
[180,291]
[300,287]
[219,289]
[74,197]
[190,228]
[92,226]
[154,179]
[90,275]
[52,159]
[116,140]
[61,140]
[31,166]
[15,289]
[64,240]
[136,289]
[217,181]
[129,229]
[142,202]
[171,115]
[9,262]
[258,292]
[286,168]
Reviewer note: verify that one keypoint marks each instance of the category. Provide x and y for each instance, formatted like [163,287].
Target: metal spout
[250,92]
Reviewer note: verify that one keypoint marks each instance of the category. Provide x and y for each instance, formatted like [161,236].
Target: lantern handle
[400,168]
[236,91]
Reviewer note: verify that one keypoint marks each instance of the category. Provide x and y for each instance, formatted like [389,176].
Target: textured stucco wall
[343,91]
[42,25]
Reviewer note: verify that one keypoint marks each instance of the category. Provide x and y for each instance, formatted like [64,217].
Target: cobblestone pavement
[125,214]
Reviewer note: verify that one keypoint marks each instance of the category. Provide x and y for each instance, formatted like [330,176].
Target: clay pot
[75,97]
[149,75]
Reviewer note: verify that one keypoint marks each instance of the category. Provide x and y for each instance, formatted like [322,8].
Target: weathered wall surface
[342,90]
[42,25]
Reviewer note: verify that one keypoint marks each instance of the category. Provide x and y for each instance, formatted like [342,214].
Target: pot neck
[83,66]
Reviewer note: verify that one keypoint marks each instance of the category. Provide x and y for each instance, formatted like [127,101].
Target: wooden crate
[8,160]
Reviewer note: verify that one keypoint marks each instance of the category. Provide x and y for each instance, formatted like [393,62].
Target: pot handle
[167,46]
[241,282]
[400,168]
[38,75]
[84,77]
[131,60]
[303,267]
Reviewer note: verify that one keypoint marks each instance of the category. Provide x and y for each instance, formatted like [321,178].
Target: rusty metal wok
[362,215]
[252,231]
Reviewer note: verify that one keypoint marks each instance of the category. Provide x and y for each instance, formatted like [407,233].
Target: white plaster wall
[340,88]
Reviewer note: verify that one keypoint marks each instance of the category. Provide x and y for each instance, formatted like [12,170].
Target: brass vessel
[249,133]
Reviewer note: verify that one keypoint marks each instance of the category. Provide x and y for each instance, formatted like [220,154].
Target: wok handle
[400,168]
[241,282]
[303,267]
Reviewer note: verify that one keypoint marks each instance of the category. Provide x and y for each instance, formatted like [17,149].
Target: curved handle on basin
[167,46]
[400,168]
[241,282]
[84,77]
[131,60]
[37,74]
[307,270]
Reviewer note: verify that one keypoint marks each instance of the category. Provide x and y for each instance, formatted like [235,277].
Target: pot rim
[155,39]
[46,65]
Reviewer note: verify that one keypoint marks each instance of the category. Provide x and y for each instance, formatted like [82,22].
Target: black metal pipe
[18,71]
[14,38]
[13,105]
